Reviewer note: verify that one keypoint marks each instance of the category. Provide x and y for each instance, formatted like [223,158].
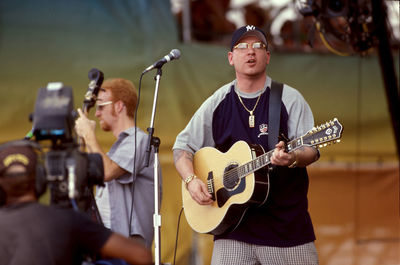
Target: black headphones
[40,178]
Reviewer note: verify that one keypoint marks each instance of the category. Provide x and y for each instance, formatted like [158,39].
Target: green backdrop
[49,41]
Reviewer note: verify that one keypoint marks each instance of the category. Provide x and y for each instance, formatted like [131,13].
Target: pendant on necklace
[251,120]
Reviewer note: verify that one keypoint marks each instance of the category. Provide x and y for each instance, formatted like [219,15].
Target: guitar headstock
[325,134]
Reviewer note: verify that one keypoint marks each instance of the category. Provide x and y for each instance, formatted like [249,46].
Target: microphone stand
[155,142]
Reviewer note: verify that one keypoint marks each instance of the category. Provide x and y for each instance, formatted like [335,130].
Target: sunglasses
[255,45]
[99,106]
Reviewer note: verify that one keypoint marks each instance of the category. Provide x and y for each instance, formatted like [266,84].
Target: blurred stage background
[354,188]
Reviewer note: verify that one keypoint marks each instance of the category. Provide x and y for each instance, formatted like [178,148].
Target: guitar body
[233,195]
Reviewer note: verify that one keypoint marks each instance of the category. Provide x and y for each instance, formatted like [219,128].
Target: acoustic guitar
[239,179]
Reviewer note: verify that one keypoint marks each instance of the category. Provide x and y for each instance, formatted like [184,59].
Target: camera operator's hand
[84,127]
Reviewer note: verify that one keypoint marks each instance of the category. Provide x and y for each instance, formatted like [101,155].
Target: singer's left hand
[83,126]
[280,157]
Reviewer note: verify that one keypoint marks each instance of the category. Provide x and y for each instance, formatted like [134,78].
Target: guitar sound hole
[231,178]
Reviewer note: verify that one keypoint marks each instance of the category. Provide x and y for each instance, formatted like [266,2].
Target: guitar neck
[320,136]
[264,159]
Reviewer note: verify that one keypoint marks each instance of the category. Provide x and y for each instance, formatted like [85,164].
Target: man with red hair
[129,183]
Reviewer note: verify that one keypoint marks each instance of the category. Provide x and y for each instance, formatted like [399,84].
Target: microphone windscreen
[176,53]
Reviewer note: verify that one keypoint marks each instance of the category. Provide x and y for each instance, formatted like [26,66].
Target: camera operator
[33,233]
[116,103]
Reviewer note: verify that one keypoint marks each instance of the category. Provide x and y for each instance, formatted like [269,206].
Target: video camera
[69,173]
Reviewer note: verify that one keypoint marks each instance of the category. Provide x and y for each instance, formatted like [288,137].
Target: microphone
[174,54]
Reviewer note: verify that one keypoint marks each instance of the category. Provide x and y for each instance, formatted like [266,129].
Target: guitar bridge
[210,185]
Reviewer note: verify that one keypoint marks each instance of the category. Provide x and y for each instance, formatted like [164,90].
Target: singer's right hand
[198,191]
[84,127]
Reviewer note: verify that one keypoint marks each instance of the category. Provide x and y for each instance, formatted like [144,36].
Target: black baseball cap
[248,30]
[17,153]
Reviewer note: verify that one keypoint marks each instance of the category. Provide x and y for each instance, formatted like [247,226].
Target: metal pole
[156,216]
[155,142]
[387,67]
[186,22]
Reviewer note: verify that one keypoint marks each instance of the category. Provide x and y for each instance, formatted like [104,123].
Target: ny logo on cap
[250,27]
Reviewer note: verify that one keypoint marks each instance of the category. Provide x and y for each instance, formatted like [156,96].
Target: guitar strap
[274,113]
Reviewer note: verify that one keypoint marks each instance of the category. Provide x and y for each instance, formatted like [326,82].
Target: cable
[134,155]
[74,205]
[325,42]
[177,233]
[357,191]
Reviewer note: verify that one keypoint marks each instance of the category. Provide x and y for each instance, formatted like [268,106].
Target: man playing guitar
[279,231]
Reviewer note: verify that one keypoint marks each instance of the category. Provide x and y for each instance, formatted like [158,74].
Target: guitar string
[233,173]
